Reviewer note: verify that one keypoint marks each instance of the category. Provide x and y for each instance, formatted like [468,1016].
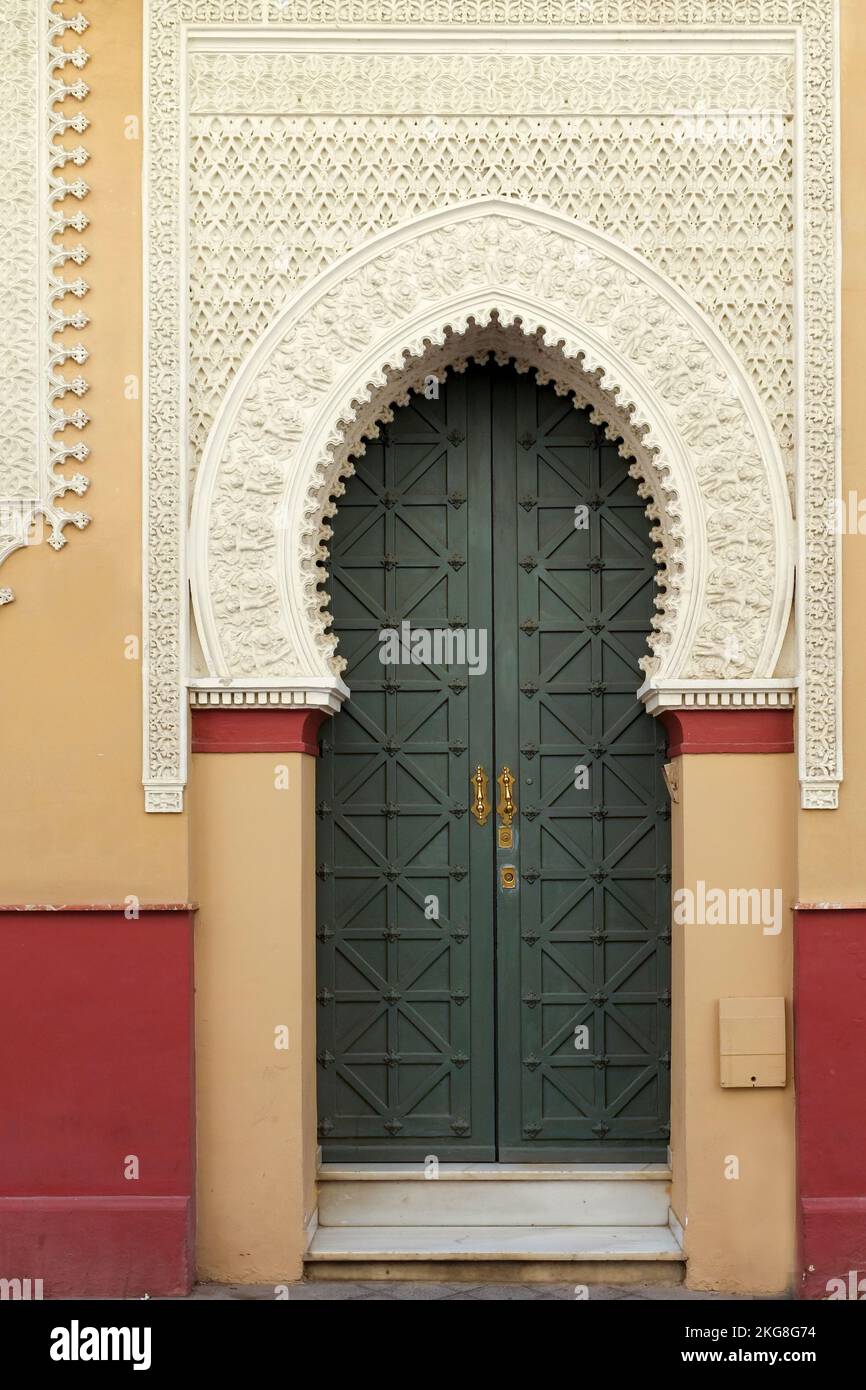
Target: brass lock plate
[508,876]
[505,837]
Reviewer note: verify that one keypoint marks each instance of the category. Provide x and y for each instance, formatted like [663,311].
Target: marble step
[494,1195]
[547,1243]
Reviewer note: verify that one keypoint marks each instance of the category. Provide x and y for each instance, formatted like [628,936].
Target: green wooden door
[458,1016]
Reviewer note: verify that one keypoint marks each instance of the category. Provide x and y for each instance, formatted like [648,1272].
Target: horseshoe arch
[587,314]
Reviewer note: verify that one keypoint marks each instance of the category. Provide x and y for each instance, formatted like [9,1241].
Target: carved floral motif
[817,428]
[490,261]
[424,83]
[41,191]
[275,200]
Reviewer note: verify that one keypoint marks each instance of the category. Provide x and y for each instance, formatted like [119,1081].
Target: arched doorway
[348,349]
[493,842]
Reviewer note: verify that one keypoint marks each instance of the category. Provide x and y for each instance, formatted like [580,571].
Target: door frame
[446,331]
[484,436]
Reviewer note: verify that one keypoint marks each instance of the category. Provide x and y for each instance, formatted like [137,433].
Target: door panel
[457,1036]
[591,950]
[405,998]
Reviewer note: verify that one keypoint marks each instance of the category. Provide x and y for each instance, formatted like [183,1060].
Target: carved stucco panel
[330,371]
[816,426]
[424,83]
[275,199]
[20,146]
[42,193]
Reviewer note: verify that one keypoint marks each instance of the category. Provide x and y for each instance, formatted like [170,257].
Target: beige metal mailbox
[752,1049]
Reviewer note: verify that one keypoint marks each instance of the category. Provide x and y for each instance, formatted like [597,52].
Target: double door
[494,828]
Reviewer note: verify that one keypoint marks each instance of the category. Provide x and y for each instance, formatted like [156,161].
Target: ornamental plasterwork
[276,199]
[763,347]
[42,72]
[491,277]
[406,84]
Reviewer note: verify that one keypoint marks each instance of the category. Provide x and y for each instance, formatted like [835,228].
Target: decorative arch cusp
[587,315]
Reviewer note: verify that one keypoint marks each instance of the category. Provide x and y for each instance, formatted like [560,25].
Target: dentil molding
[701,60]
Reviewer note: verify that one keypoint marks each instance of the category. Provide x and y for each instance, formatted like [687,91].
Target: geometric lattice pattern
[456,1035]
[276,199]
[405,998]
[595,825]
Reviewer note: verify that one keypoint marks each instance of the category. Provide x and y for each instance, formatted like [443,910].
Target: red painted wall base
[99,1247]
[96,1101]
[728,731]
[251,730]
[830,1032]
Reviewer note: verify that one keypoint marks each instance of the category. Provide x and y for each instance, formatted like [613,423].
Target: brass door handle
[480,799]
[507,805]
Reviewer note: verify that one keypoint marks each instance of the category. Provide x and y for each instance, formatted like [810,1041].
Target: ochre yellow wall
[72,820]
[74,829]
[732,827]
[254,877]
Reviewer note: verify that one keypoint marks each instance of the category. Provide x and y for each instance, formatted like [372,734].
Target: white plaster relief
[431,84]
[38,198]
[819,704]
[275,200]
[592,318]
[19,256]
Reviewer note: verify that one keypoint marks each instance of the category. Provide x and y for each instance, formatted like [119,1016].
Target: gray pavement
[386,1291]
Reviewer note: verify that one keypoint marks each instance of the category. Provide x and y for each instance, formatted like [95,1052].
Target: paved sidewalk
[381,1290]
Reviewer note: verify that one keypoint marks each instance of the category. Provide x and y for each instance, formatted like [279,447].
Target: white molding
[35,417]
[598,26]
[659,695]
[818,793]
[152,680]
[490,38]
[328,694]
[163,797]
[820,796]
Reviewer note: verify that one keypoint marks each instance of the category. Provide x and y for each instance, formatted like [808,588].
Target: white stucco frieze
[247,261]
[592,317]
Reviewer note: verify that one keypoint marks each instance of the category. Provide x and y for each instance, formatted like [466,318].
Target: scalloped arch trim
[586,314]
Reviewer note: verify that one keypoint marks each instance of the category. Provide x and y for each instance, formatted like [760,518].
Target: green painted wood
[405,1002]
[592,950]
[457,1037]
